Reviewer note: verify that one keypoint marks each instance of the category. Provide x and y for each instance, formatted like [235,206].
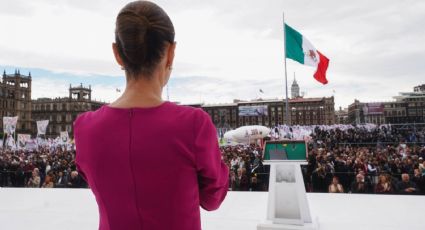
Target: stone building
[224,116]
[303,111]
[341,116]
[62,112]
[407,108]
[15,100]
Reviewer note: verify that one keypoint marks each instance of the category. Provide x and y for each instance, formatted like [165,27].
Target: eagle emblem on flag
[312,55]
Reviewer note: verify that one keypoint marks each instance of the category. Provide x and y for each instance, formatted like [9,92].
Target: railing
[20,179]
[380,143]
[312,184]
[321,184]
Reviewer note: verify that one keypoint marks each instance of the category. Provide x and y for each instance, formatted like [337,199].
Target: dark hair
[142,31]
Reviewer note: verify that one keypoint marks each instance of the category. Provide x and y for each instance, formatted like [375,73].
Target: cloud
[374,46]
[16,8]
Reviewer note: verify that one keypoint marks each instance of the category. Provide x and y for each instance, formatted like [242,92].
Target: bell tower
[80,92]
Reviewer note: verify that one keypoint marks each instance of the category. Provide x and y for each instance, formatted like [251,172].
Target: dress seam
[131,168]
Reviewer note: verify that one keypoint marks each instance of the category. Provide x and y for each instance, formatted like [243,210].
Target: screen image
[285,150]
[287,205]
[253,110]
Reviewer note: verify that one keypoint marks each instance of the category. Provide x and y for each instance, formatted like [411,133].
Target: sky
[225,49]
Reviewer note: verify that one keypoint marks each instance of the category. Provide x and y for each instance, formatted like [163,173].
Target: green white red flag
[299,49]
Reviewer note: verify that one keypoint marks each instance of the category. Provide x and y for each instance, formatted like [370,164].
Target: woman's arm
[213,173]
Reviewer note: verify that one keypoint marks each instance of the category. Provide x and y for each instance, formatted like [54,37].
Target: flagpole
[286,117]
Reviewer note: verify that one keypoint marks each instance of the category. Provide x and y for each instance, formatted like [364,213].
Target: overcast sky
[226,49]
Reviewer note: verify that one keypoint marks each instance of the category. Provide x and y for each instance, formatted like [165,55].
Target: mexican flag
[299,49]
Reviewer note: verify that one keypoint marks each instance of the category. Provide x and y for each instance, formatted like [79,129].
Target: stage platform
[70,209]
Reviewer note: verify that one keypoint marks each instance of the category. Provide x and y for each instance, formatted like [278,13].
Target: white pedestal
[288,207]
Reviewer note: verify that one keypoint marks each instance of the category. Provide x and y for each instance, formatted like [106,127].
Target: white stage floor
[54,209]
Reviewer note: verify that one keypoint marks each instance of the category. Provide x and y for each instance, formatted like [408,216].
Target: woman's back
[150,168]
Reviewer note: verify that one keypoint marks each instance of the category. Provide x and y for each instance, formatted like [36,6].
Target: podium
[287,207]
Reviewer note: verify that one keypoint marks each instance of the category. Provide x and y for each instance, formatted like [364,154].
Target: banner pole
[286,117]
[3,144]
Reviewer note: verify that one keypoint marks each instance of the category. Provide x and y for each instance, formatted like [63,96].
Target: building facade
[302,111]
[341,116]
[15,100]
[407,107]
[62,112]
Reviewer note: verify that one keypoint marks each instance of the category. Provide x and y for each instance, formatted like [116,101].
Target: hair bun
[142,31]
[132,32]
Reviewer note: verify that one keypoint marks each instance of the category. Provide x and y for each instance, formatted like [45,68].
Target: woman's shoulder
[181,113]
[187,110]
[85,117]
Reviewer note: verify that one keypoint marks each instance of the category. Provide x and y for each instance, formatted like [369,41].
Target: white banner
[64,137]
[22,140]
[9,124]
[42,126]
[10,143]
[31,145]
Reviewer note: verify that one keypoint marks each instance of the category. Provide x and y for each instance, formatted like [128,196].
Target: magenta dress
[150,168]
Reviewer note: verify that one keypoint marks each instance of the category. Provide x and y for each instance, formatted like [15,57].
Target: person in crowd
[48,181]
[319,179]
[405,186]
[232,180]
[74,180]
[61,181]
[255,184]
[335,186]
[241,182]
[359,186]
[368,182]
[384,186]
[29,167]
[234,163]
[342,170]
[419,180]
[3,172]
[422,164]
[34,181]
[20,176]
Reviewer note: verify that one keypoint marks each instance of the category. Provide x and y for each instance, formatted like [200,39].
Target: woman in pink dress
[151,164]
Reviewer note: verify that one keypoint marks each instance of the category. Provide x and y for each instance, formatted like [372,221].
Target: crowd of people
[381,160]
[43,168]
[246,169]
[357,160]
[385,160]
